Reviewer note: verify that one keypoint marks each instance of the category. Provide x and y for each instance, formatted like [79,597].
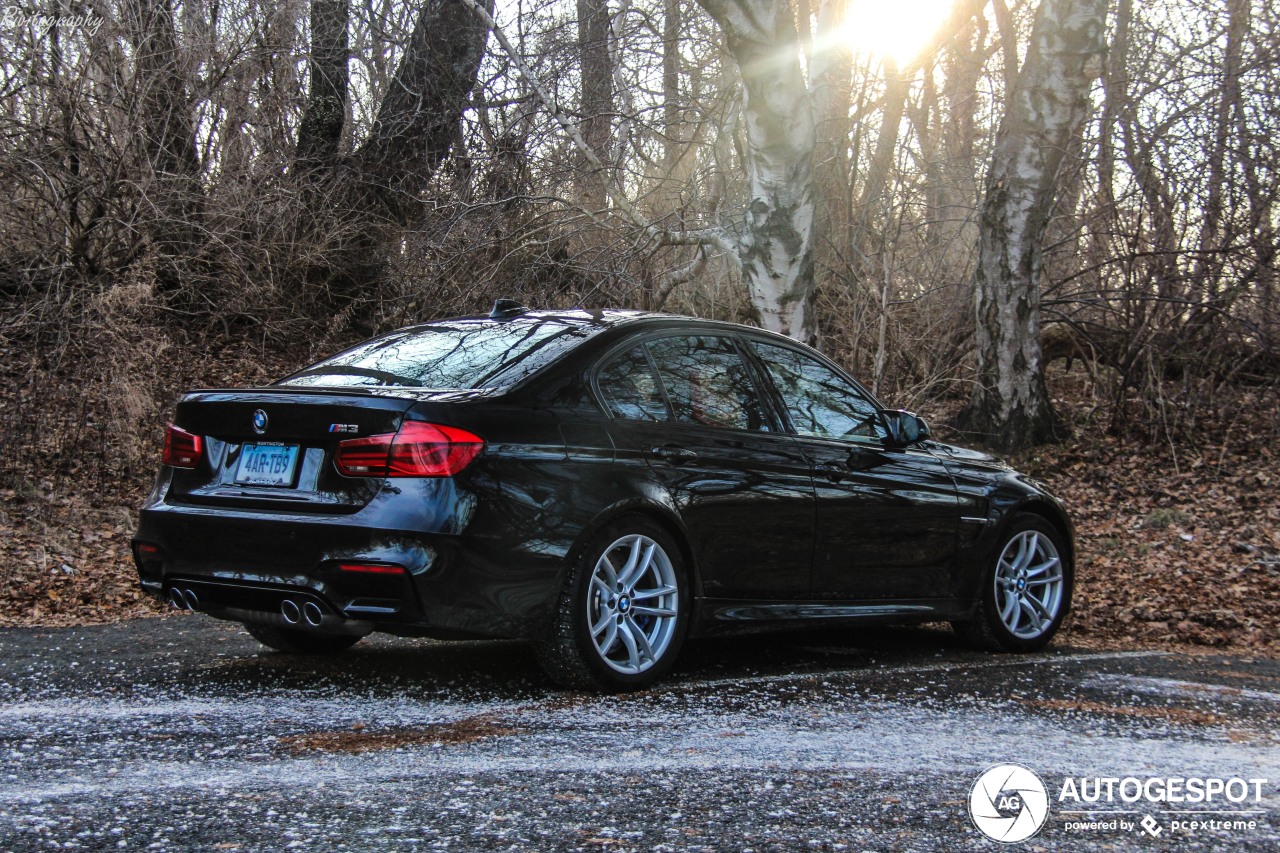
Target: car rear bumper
[246,565]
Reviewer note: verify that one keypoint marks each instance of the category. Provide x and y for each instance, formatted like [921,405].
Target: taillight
[372,568]
[418,450]
[181,448]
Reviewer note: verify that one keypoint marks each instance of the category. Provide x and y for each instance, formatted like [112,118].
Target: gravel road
[183,733]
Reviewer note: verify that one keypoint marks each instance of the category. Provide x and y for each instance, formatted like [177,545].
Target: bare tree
[775,247]
[596,72]
[1010,402]
[168,139]
[417,122]
[326,113]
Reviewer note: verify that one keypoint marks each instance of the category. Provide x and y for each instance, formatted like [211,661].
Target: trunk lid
[273,447]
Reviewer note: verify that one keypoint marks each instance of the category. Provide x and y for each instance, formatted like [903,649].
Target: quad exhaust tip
[308,611]
[183,598]
[311,612]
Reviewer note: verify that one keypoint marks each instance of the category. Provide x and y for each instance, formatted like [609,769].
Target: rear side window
[707,382]
[453,354]
[630,389]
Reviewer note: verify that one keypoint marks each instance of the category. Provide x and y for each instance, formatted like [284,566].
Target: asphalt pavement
[183,733]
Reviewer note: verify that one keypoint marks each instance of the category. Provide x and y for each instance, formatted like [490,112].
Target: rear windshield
[453,354]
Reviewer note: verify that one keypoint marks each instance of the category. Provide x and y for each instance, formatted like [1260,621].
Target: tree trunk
[417,121]
[672,109]
[596,69]
[1010,403]
[830,79]
[776,246]
[358,205]
[954,196]
[167,123]
[326,112]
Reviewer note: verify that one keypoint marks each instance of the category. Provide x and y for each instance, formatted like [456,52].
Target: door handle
[674,454]
[833,471]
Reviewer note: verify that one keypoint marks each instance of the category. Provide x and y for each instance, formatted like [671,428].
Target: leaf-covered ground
[1178,546]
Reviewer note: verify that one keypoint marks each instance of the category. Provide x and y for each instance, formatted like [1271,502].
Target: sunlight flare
[897,30]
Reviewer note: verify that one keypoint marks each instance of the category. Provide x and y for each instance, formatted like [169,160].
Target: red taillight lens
[364,457]
[181,448]
[429,450]
[372,568]
[418,450]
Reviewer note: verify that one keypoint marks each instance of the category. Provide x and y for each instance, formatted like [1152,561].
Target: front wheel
[296,642]
[623,613]
[1026,591]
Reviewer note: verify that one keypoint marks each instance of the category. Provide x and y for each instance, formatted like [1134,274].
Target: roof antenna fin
[504,308]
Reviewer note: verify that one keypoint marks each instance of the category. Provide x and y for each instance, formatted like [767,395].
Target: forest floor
[1178,546]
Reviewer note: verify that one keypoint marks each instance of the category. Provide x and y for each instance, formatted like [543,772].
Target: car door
[690,408]
[886,517]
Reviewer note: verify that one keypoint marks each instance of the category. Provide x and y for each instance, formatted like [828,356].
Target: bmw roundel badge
[259,421]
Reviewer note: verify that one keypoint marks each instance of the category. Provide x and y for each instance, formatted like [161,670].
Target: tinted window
[452,354]
[707,382]
[819,401]
[630,389]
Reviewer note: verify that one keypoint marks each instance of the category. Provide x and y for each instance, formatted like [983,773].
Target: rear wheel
[623,613]
[300,642]
[1026,591]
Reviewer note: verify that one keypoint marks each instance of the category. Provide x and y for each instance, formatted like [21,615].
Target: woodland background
[210,192]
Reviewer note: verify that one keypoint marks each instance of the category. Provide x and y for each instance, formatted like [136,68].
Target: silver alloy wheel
[1029,584]
[633,604]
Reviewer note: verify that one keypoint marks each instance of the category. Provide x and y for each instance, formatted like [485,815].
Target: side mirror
[905,427]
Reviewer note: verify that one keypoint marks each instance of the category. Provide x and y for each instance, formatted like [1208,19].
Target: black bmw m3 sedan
[603,483]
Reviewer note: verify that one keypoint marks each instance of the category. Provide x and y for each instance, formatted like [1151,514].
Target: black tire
[569,654]
[988,629]
[300,642]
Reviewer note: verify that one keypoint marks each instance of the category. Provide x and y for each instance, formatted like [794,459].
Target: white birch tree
[775,245]
[1048,103]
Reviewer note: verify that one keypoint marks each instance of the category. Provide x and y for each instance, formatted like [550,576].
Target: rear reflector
[148,549]
[181,448]
[419,449]
[372,568]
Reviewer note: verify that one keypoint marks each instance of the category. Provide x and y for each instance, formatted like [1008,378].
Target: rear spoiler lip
[420,395]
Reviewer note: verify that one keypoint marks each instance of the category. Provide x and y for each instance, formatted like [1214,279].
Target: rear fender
[655,506]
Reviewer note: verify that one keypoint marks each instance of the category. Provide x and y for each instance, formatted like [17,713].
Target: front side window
[819,401]
[707,382]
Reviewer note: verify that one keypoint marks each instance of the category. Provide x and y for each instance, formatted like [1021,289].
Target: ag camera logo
[1008,803]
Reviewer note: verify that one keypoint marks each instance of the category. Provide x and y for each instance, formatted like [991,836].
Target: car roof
[607,317]
[601,316]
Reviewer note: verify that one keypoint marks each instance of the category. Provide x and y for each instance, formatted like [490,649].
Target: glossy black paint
[776,528]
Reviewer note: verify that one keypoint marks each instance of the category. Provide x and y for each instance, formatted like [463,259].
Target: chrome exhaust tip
[289,610]
[176,600]
[190,598]
[312,613]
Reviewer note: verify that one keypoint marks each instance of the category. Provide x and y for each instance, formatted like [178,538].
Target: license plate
[267,464]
